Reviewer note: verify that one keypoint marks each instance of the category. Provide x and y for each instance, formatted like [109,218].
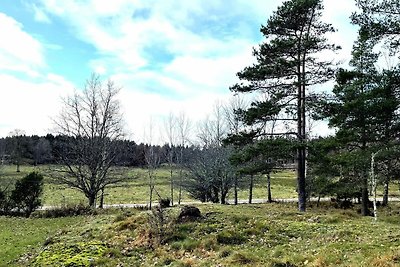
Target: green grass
[21,235]
[245,235]
[136,190]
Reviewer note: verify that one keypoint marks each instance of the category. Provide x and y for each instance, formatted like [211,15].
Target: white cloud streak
[19,51]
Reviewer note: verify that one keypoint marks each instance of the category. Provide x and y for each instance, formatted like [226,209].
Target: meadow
[135,189]
[20,236]
[271,235]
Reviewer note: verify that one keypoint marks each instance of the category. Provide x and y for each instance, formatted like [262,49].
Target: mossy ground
[244,235]
[21,235]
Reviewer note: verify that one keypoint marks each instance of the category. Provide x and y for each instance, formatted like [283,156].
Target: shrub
[161,225]
[164,202]
[66,211]
[26,194]
[4,203]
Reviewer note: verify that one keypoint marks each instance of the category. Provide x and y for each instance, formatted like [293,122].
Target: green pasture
[267,235]
[22,235]
[136,190]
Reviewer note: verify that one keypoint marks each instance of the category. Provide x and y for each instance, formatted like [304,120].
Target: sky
[178,56]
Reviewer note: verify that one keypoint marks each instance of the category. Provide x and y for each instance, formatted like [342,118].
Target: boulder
[189,213]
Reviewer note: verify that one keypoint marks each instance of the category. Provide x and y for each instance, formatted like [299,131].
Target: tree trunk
[151,197]
[223,196]
[301,135]
[235,190]
[215,195]
[101,199]
[364,196]
[301,180]
[172,186]
[385,199]
[18,170]
[251,189]
[180,186]
[373,182]
[92,200]
[269,195]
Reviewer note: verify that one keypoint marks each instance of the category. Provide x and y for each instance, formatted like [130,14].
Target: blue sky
[167,55]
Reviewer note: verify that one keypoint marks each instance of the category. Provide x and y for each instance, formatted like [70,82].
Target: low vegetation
[22,236]
[244,235]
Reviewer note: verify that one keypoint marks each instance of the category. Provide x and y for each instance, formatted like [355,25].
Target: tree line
[41,150]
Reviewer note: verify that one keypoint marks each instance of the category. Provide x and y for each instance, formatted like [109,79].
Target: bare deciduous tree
[235,126]
[17,148]
[170,132]
[183,126]
[152,158]
[211,174]
[91,122]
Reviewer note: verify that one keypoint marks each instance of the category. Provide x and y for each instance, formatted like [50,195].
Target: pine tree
[380,19]
[363,110]
[287,65]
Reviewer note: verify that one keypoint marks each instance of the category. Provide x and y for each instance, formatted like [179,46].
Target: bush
[66,211]
[26,194]
[164,202]
[4,202]
[161,225]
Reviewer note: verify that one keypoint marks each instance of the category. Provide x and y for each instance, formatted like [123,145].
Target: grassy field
[135,190]
[246,235]
[21,235]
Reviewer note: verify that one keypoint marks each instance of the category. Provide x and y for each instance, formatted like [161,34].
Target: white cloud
[18,50]
[30,106]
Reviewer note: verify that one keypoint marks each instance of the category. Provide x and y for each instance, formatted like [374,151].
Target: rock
[189,213]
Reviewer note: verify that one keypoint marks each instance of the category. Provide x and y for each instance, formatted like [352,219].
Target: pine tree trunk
[301,135]
[364,196]
[269,195]
[251,189]
[385,199]
[301,180]
[235,190]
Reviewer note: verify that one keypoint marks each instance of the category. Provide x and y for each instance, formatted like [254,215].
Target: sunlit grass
[21,235]
[136,190]
[245,235]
